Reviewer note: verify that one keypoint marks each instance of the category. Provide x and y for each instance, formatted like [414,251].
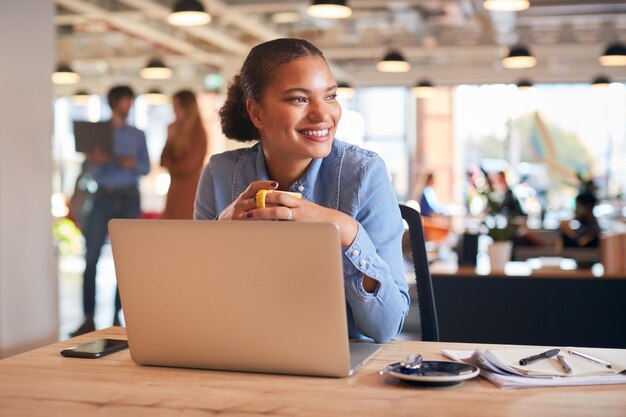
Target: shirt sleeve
[377,253]
[142,162]
[204,206]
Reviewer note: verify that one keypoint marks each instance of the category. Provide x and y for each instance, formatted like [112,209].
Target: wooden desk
[43,383]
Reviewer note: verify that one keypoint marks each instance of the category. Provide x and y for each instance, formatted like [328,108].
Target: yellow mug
[260,196]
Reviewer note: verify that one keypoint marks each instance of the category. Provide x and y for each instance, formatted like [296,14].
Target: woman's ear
[254,111]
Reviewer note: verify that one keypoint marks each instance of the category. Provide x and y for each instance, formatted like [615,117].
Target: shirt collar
[304,185]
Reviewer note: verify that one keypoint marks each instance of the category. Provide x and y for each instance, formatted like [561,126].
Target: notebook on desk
[239,296]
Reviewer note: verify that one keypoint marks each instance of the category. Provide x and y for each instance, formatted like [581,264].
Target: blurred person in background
[584,230]
[117,196]
[183,156]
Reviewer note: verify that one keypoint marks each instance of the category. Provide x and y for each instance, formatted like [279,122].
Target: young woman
[285,98]
[183,156]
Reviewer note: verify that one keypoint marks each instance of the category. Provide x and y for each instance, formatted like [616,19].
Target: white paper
[506,376]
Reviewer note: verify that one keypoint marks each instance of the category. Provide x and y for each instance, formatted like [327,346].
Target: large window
[376,119]
[545,136]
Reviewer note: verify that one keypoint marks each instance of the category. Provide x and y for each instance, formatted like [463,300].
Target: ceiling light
[80,97]
[156,97]
[614,56]
[188,13]
[601,81]
[156,70]
[519,57]
[524,85]
[286,17]
[393,62]
[423,89]
[329,9]
[506,5]
[65,75]
[345,90]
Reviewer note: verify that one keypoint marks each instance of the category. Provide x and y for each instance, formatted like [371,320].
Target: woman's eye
[298,99]
[332,97]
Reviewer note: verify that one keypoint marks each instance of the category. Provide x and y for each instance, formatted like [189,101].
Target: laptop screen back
[243,296]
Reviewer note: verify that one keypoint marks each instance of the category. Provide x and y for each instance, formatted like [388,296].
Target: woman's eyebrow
[303,90]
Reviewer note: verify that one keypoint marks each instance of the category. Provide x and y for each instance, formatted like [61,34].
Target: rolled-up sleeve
[204,206]
[377,253]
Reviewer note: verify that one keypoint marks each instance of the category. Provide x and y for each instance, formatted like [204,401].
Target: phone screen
[96,348]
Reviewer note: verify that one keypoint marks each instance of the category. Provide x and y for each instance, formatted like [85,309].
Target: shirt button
[301,188]
[355,253]
[362,262]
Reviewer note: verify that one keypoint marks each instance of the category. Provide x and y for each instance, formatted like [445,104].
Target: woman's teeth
[314,132]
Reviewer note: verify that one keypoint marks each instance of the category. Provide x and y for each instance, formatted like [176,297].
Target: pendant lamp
[188,13]
[80,97]
[506,5]
[155,70]
[393,61]
[156,97]
[329,9]
[519,57]
[614,55]
[423,89]
[65,75]
[524,84]
[601,81]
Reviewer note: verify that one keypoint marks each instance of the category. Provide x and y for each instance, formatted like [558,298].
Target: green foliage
[68,237]
[503,234]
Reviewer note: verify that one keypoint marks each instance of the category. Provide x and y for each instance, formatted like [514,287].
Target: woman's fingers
[273,213]
[282,199]
[255,186]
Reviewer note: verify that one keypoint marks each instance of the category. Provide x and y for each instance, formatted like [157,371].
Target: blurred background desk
[42,382]
[546,307]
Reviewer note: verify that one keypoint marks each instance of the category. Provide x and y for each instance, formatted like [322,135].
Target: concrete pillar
[28,277]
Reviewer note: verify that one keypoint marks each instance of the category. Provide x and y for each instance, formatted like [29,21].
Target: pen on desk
[564,364]
[590,358]
[534,358]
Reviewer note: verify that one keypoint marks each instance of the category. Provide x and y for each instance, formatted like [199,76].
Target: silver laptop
[240,296]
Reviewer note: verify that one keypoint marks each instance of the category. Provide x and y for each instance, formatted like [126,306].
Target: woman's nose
[318,112]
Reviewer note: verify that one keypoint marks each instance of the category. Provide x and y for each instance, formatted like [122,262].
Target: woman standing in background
[183,155]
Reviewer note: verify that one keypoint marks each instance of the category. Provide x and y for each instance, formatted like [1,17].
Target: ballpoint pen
[534,358]
[590,358]
[564,364]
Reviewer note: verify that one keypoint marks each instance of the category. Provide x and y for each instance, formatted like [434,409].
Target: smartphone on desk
[96,348]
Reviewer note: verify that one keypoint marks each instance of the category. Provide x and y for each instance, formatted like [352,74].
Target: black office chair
[422,317]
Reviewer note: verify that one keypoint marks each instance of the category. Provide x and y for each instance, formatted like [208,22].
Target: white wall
[28,277]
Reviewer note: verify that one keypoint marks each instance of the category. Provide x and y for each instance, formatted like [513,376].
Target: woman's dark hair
[256,74]
[118,92]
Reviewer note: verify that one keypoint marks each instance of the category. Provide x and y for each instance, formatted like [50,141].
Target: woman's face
[298,113]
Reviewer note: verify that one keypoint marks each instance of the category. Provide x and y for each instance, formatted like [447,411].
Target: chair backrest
[423,282]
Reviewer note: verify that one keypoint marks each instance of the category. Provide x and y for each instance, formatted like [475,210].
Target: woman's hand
[281,206]
[238,209]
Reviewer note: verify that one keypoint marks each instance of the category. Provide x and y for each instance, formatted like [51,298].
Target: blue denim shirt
[353,181]
[127,141]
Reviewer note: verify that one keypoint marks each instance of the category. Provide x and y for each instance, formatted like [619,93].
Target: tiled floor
[71,269]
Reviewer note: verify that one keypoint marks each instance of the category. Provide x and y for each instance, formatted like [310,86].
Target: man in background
[117,177]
